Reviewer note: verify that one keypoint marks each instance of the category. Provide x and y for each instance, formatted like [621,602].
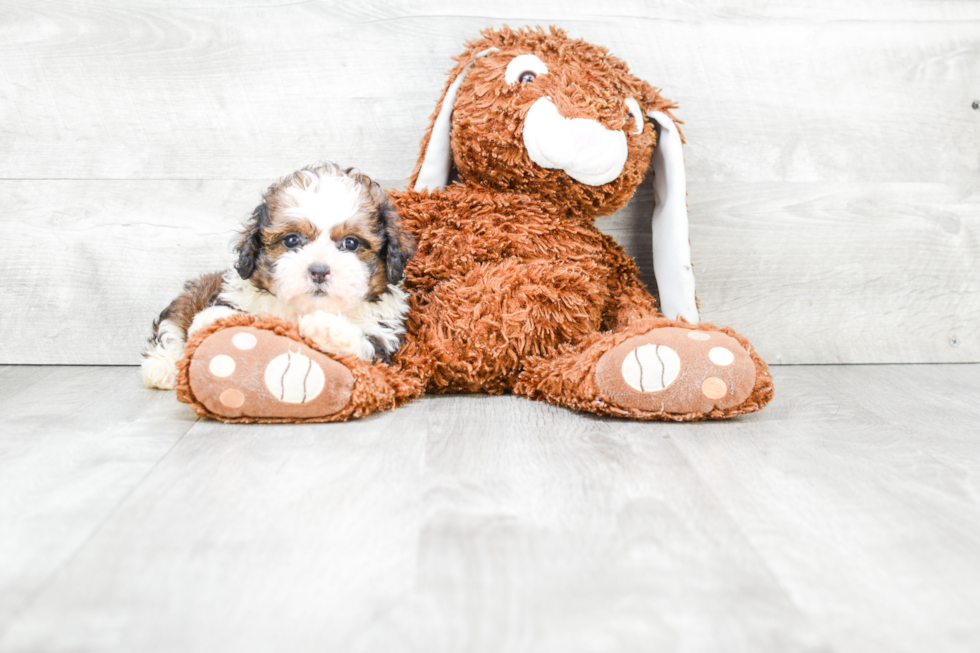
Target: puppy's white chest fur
[357,330]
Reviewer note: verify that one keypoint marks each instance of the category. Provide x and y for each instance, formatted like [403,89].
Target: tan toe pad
[251,372]
[678,371]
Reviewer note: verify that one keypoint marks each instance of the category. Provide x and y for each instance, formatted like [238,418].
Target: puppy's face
[323,239]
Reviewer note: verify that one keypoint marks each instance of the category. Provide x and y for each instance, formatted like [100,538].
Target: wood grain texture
[852,490]
[845,273]
[839,519]
[833,154]
[849,273]
[74,443]
[218,91]
[100,261]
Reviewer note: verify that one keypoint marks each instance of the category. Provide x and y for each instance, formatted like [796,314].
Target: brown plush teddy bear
[512,288]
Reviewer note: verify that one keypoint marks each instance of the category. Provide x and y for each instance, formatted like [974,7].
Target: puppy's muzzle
[319,272]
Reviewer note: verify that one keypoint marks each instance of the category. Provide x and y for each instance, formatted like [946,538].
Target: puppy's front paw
[333,334]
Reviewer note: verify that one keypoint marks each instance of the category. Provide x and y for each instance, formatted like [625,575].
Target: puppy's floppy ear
[399,246]
[250,245]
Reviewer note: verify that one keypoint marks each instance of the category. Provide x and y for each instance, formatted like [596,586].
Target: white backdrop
[833,154]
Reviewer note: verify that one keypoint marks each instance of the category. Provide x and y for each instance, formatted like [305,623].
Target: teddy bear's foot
[657,369]
[246,372]
[678,371]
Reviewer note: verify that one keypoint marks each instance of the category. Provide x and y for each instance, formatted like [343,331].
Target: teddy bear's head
[544,115]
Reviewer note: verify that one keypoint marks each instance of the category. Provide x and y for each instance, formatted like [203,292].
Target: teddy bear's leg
[655,369]
[250,369]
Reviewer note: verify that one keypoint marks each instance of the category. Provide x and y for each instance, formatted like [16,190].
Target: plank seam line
[872,364]
[260,180]
[894,364]
[805,616]
[42,588]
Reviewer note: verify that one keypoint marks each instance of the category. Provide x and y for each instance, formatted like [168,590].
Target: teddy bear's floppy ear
[436,158]
[671,240]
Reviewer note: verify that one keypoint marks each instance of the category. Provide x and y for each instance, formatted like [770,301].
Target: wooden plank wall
[833,156]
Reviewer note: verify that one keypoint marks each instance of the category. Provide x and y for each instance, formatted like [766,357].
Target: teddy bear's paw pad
[250,372]
[677,370]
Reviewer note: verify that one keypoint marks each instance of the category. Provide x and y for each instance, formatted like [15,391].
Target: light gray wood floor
[845,517]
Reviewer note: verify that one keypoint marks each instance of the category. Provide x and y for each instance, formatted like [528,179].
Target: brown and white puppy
[323,250]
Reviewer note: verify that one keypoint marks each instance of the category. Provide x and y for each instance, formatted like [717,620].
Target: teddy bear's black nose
[319,272]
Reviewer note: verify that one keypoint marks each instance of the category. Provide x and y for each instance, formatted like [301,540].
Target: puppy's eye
[349,244]
[292,241]
[526,76]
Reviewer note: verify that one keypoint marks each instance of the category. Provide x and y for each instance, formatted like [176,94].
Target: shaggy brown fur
[512,287]
[585,81]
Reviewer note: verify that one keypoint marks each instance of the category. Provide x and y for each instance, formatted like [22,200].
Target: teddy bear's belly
[481,327]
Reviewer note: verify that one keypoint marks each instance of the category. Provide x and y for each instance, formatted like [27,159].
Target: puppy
[323,250]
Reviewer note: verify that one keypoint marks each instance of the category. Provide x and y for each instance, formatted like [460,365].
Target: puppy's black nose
[319,272]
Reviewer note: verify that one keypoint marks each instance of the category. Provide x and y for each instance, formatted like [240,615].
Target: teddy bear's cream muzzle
[584,149]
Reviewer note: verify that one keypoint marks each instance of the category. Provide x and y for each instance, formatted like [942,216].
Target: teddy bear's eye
[524,68]
[637,114]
